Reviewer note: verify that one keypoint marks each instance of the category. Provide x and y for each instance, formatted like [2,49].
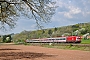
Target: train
[65,39]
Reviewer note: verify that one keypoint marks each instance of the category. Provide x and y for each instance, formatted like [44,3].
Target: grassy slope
[85,41]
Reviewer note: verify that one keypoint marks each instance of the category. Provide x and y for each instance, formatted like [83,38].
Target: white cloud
[72,11]
[33,26]
[88,12]
[68,15]
[60,4]
[85,14]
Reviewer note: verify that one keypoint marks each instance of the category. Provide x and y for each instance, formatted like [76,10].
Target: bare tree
[40,10]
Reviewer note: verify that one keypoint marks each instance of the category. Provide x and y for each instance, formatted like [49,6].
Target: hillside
[77,29]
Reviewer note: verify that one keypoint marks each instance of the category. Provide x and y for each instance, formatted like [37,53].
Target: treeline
[6,38]
[77,29]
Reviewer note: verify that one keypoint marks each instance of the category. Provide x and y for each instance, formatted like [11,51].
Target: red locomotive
[73,39]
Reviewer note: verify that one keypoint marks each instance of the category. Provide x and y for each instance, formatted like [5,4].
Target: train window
[78,38]
[57,39]
[53,39]
[50,39]
[61,39]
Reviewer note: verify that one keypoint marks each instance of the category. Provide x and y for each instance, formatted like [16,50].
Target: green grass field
[85,41]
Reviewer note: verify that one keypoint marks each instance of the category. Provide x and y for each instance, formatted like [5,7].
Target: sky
[68,12]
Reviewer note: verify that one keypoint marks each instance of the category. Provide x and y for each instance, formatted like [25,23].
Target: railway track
[81,45]
[62,44]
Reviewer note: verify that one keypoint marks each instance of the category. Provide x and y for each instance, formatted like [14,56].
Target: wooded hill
[77,29]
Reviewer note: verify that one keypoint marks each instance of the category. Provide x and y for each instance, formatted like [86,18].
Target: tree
[7,38]
[50,32]
[43,31]
[40,10]
[55,29]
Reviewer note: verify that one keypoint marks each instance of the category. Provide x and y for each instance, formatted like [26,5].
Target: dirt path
[21,52]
